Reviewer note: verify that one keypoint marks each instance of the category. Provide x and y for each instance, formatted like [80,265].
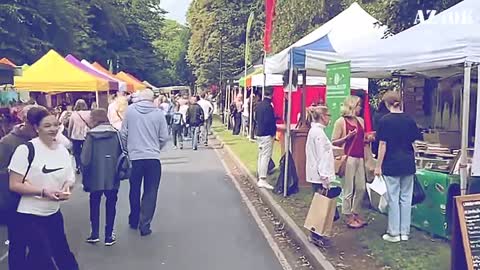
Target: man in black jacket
[195,119]
[266,130]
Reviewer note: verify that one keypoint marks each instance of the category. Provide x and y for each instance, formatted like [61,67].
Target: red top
[357,150]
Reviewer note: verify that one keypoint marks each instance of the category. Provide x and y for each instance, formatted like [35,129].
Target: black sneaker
[145,232]
[110,240]
[92,239]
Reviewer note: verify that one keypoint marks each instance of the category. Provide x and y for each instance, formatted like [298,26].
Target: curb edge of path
[314,255]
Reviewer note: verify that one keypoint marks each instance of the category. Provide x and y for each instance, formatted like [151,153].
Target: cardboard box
[450,139]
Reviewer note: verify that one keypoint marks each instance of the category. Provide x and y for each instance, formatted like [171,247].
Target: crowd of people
[107,146]
[392,159]
[395,134]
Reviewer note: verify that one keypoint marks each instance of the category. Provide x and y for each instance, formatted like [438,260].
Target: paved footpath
[200,224]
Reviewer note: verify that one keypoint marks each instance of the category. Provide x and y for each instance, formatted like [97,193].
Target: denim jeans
[206,130]
[195,135]
[400,192]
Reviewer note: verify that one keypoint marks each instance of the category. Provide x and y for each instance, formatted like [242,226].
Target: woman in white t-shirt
[42,185]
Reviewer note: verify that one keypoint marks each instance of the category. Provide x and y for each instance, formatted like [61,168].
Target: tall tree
[218,27]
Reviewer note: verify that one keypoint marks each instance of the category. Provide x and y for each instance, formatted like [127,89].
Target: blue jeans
[400,192]
[195,135]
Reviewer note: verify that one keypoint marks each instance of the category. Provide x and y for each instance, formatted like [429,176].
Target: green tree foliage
[218,27]
[99,30]
[173,42]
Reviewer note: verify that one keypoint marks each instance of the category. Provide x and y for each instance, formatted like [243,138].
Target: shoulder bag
[124,165]
[341,161]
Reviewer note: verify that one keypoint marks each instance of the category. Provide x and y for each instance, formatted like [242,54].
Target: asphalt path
[201,223]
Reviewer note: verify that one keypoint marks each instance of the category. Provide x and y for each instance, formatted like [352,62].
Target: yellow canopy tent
[52,73]
[137,85]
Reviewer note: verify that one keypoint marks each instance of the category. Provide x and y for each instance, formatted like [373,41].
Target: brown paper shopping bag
[320,216]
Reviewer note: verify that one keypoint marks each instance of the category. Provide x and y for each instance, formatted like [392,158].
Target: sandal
[360,220]
[353,223]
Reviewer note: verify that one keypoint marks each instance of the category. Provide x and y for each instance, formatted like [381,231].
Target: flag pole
[288,124]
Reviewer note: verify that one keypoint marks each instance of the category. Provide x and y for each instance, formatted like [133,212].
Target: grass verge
[360,249]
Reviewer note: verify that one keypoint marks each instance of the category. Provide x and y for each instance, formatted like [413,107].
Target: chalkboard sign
[468,207]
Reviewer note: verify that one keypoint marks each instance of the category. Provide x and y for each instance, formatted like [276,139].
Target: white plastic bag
[377,192]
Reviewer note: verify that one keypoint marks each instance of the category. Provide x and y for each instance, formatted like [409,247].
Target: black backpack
[9,200]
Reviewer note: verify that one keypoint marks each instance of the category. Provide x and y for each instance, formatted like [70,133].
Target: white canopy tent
[345,32]
[349,29]
[446,45]
[438,47]
[277,79]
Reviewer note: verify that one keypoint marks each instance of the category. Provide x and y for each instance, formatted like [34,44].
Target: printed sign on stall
[338,87]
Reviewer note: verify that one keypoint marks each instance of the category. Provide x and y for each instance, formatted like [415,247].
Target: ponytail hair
[314,112]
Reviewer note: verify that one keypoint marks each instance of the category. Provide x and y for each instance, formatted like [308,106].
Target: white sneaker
[404,237]
[393,239]
[174,148]
[264,184]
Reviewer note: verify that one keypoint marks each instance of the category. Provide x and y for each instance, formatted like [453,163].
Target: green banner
[338,87]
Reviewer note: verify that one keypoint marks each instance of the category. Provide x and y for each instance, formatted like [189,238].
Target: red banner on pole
[269,14]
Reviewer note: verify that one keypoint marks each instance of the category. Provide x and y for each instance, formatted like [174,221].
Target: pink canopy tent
[113,85]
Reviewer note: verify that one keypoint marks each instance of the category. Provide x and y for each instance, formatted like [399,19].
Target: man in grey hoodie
[145,133]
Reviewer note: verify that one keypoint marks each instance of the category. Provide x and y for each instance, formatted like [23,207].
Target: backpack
[124,164]
[9,200]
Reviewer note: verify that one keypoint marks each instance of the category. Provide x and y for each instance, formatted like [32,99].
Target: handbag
[418,192]
[321,214]
[124,164]
[341,161]
[8,199]
[377,193]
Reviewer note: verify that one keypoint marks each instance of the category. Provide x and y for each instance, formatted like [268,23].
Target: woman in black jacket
[100,156]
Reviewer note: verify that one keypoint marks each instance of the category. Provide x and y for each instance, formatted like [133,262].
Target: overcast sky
[177,9]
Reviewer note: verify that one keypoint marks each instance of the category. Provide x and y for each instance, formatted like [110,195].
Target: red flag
[269,14]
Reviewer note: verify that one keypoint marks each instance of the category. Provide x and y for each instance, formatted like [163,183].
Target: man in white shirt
[207,112]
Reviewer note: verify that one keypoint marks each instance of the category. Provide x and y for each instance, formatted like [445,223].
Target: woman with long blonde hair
[349,133]
[116,111]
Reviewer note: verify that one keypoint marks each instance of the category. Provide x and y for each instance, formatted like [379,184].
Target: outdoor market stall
[52,74]
[123,85]
[443,49]
[344,32]
[137,85]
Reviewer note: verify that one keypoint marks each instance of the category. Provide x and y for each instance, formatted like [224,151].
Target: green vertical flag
[247,39]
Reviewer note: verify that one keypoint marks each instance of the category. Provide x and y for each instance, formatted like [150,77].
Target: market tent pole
[250,114]
[287,126]
[465,123]
[476,152]
[264,74]
[98,100]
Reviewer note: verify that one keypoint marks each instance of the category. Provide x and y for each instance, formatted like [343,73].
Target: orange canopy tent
[134,78]
[130,86]
[137,85]
[6,61]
